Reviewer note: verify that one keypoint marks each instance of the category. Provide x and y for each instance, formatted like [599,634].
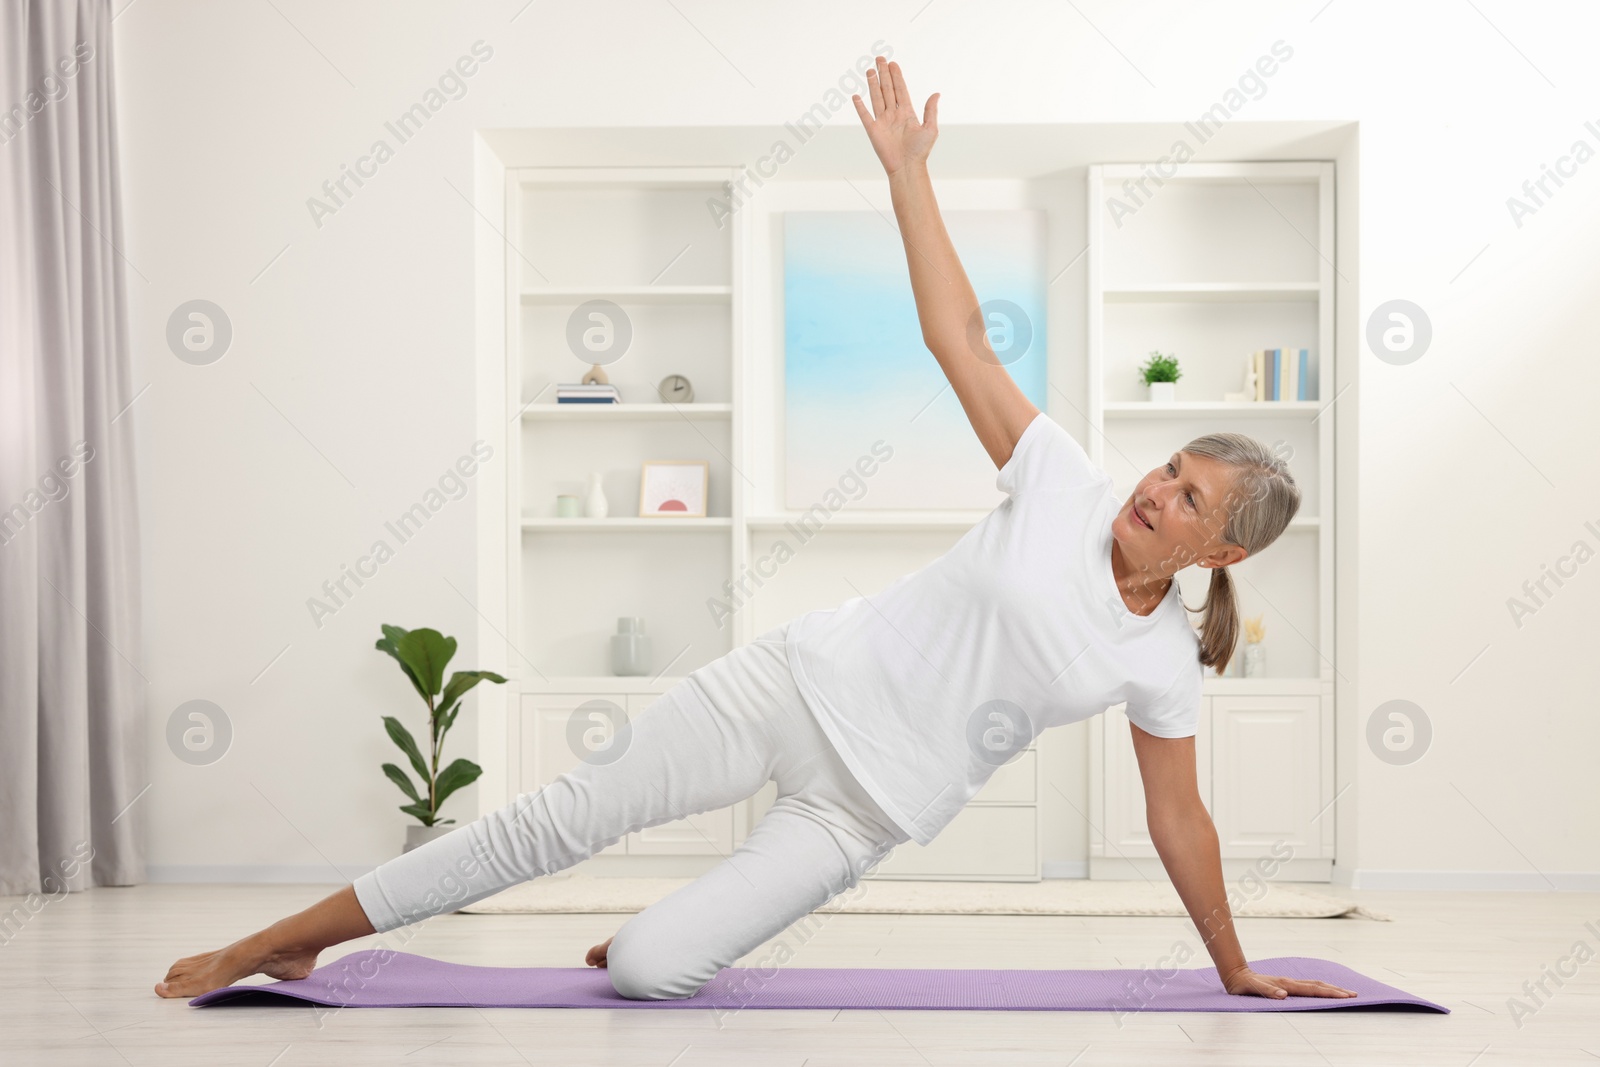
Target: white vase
[594,499]
[1163,392]
[630,648]
[1255,660]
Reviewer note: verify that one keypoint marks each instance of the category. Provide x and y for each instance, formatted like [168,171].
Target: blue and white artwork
[856,371]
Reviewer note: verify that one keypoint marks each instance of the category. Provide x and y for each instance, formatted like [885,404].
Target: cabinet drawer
[981,843]
[1014,783]
[547,751]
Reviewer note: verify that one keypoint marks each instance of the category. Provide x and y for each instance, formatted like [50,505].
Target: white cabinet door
[705,833]
[547,719]
[1127,835]
[988,842]
[1267,781]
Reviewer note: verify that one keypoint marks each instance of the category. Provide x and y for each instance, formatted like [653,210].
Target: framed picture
[673,488]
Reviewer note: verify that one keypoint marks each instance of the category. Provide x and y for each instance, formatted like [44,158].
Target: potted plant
[423,655]
[1161,374]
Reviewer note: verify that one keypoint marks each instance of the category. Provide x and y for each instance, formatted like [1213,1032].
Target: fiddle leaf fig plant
[423,655]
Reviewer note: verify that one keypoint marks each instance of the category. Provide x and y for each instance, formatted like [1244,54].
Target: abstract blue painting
[856,370]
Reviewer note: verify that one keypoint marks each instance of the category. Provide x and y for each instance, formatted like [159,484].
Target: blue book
[1304,358]
[1272,377]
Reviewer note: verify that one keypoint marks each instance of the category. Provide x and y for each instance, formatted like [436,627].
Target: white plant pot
[418,835]
[1163,392]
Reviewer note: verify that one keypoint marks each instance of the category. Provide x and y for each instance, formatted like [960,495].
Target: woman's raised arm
[946,305]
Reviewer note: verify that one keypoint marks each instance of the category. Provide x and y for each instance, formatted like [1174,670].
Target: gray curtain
[72,692]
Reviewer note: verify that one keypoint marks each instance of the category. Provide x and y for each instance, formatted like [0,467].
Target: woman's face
[1175,516]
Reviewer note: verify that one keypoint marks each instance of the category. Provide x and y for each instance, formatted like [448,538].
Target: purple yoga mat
[379,978]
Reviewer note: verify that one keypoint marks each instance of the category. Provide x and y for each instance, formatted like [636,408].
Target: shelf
[1239,257]
[1241,687]
[598,684]
[628,294]
[634,523]
[1216,291]
[1267,409]
[624,411]
[877,522]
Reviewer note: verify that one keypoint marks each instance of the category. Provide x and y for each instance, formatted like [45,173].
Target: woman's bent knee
[633,985]
[644,972]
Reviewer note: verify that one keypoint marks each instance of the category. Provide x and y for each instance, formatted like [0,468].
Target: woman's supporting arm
[947,307]
[1186,840]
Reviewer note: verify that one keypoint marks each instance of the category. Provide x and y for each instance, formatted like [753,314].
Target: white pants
[708,742]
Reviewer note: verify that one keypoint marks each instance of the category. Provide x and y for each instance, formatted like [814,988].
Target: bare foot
[287,949]
[597,955]
[193,975]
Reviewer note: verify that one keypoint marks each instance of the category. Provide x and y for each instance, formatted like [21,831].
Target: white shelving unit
[1219,260]
[1197,269]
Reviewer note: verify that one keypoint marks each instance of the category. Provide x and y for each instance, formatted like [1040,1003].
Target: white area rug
[1055,896]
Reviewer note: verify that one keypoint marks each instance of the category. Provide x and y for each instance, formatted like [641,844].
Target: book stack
[1283,374]
[587,394]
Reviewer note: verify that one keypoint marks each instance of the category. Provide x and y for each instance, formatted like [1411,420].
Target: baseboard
[597,867]
[255,874]
[323,874]
[1469,881]
[652,867]
[689,867]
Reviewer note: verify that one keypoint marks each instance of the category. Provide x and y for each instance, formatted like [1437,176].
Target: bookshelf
[1219,260]
[640,239]
[1198,270]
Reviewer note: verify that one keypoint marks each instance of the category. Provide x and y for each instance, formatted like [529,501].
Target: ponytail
[1219,629]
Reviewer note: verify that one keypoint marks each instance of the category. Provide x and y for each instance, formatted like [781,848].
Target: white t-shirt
[931,684]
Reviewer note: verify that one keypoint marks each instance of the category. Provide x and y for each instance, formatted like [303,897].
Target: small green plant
[423,655]
[1160,368]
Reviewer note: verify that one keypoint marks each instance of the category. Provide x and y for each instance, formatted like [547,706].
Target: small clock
[675,389]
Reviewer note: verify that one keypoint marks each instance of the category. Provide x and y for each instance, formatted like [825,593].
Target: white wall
[349,388]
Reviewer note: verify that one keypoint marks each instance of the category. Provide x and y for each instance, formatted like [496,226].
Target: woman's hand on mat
[892,125]
[1246,983]
[597,955]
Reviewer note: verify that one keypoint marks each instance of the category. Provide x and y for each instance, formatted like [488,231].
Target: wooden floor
[75,989]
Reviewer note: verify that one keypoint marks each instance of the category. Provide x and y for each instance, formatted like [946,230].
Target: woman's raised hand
[892,126]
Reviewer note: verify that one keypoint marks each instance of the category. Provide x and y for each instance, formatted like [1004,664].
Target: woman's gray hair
[1260,502]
